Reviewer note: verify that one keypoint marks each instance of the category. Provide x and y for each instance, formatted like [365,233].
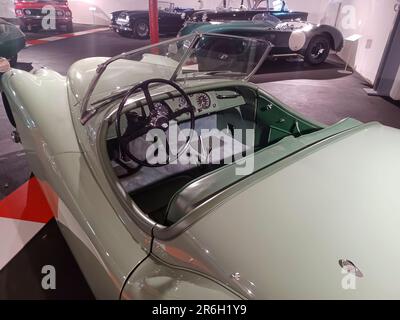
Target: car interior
[230,123]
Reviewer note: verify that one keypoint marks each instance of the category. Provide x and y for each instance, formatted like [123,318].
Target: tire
[141,29]
[125,34]
[13,61]
[318,50]
[69,27]
[8,110]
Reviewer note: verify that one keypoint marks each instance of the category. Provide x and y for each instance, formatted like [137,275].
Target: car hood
[283,235]
[231,26]
[136,13]
[218,27]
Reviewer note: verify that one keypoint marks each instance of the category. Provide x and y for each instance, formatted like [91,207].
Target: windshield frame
[88,113]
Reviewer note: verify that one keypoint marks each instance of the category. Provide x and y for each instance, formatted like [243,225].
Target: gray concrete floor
[326,95]
[319,93]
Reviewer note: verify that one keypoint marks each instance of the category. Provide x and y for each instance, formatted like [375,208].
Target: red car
[43,14]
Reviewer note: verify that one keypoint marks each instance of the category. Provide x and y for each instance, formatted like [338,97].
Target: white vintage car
[172,177]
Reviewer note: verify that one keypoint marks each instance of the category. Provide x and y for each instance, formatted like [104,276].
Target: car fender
[39,103]
[336,37]
[103,247]
[155,280]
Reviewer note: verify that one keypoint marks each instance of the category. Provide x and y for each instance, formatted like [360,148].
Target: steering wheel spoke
[160,115]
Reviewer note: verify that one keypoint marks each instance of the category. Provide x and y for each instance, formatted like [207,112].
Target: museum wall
[7,9]
[373,20]
[315,8]
[84,13]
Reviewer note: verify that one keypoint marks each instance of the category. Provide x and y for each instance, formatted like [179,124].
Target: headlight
[60,13]
[68,13]
[19,12]
[28,12]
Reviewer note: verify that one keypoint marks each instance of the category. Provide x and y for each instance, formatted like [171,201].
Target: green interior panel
[280,123]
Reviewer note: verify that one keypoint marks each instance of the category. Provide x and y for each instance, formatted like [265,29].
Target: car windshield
[196,56]
[165,6]
[267,19]
[234,4]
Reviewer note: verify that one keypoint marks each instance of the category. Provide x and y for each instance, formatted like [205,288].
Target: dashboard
[208,102]
[204,103]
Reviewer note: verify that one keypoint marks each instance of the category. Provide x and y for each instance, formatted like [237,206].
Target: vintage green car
[12,40]
[292,38]
[173,179]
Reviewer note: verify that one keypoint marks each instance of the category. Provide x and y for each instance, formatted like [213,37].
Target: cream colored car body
[277,234]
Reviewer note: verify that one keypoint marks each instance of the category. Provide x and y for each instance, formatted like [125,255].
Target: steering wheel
[159,117]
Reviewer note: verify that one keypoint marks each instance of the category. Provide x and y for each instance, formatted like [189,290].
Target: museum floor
[30,240]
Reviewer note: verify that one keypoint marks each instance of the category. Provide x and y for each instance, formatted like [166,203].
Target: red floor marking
[67,35]
[63,36]
[27,203]
[35,42]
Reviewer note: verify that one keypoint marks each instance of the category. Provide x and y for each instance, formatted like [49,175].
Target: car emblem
[236,276]
[350,267]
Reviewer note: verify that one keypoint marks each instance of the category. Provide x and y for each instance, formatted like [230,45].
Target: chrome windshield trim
[87,112]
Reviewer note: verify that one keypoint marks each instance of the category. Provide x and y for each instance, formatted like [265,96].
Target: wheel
[13,61]
[318,50]
[69,27]
[141,29]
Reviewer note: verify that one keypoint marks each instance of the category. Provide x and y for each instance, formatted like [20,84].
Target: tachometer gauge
[203,101]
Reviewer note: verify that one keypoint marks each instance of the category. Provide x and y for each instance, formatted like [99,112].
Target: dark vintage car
[245,10]
[12,40]
[136,23]
[313,42]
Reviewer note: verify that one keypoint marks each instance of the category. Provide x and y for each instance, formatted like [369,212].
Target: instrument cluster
[211,101]
[201,101]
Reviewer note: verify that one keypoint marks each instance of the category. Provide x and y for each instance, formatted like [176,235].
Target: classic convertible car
[231,10]
[12,40]
[171,176]
[311,41]
[136,23]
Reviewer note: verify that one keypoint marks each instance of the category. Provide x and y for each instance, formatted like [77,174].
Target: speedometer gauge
[182,103]
[203,101]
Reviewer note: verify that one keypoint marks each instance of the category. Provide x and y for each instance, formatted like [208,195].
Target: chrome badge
[350,267]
